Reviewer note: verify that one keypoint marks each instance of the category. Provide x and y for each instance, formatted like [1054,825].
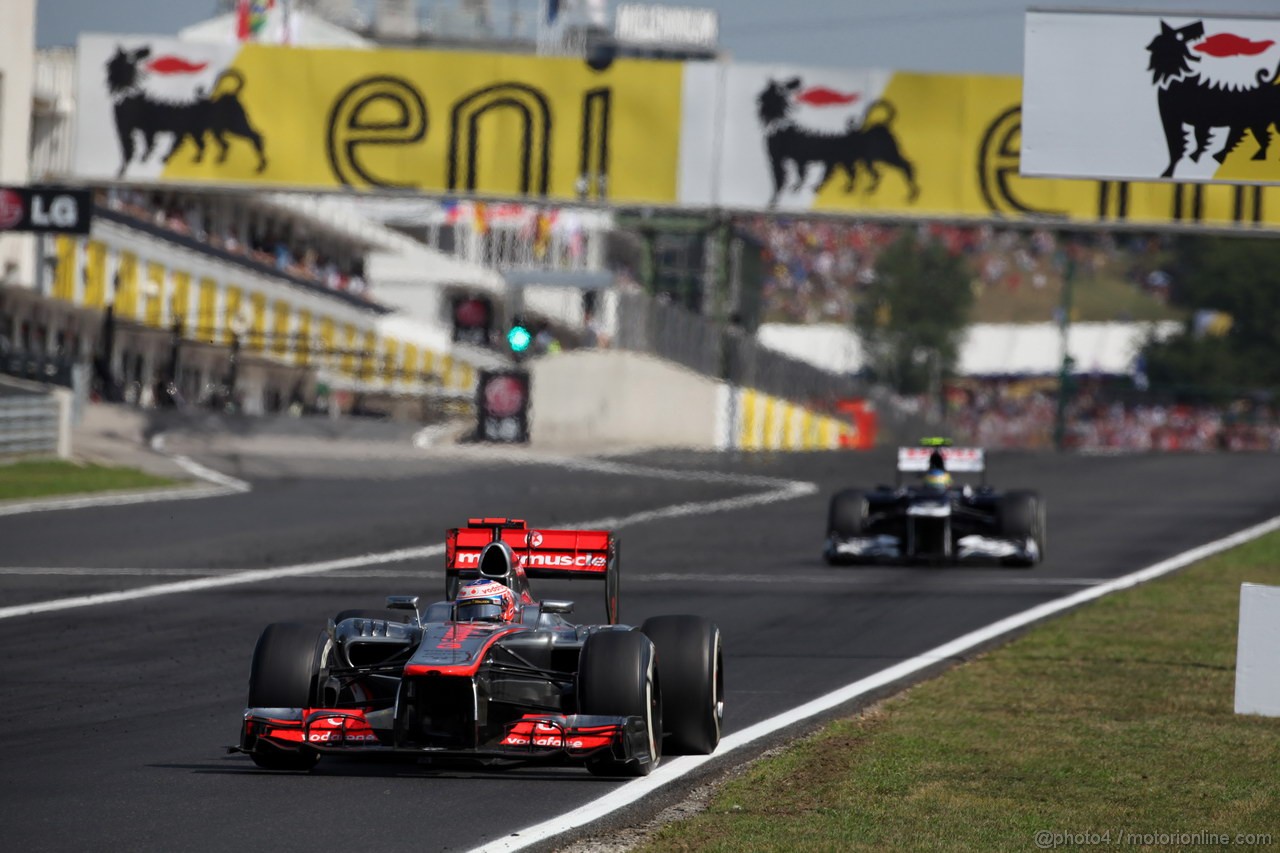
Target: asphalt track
[119,713]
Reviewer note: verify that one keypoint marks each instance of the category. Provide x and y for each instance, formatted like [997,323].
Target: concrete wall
[594,398]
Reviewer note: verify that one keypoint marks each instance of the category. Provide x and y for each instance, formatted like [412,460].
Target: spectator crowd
[815,270]
[277,242]
[1021,414]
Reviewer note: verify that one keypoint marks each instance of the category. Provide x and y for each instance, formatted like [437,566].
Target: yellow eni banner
[444,122]
[887,144]
[694,135]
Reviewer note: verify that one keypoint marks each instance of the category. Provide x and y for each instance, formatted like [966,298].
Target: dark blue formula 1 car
[936,520]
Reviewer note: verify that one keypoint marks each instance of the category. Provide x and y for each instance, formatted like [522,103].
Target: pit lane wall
[610,398]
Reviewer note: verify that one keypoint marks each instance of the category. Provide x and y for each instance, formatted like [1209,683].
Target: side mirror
[404,602]
[557,607]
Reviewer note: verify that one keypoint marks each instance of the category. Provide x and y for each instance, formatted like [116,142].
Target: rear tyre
[284,674]
[691,670]
[618,677]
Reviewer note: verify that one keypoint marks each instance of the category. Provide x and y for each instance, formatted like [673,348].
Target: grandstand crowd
[816,269]
[280,244]
[1021,414]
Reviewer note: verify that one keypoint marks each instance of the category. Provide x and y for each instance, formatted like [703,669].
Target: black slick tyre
[284,673]
[618,677]
[847,514]
[846,519]
[691,670]
[1021,515]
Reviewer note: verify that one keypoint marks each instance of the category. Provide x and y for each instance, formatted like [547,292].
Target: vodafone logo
[535,538]
[503,396]
[11,209]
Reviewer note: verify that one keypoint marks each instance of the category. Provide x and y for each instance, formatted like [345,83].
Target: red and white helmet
[485,601]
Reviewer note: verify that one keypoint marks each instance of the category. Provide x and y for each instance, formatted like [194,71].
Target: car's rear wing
[957,460]
[539,553]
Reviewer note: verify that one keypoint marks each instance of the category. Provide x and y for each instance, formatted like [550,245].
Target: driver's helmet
[485,601]
[937,478]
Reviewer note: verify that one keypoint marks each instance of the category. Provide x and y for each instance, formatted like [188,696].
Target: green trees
[912,317]
[1239,277]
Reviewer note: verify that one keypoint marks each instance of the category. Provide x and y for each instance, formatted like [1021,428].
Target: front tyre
[1021,515]
[618,677]
[847,514]
[691,669]
[285,674]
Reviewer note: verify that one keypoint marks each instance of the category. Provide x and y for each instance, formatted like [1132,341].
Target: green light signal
[519,338]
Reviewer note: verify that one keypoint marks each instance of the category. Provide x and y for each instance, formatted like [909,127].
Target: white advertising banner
[1149,97]
[139,101]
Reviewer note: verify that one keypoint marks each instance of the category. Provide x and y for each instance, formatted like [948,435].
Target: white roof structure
[829,346]
[989,349]
[1035,349]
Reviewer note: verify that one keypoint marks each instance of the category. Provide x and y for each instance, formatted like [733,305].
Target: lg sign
[45,210]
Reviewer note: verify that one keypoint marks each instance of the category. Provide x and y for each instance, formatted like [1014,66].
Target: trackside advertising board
[1189,98]
[689,135]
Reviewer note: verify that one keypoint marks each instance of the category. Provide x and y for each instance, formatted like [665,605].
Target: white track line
[222,485]
[184,493]
[934,583]
[783,490]
[236,579]
[675,769]
[212,476]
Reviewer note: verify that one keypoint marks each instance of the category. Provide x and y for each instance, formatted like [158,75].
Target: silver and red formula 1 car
[532,687]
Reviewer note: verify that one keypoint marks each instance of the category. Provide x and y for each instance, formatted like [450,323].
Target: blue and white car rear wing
[958,460]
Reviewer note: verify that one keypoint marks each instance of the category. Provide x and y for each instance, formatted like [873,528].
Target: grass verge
[1115,719]
[40,478]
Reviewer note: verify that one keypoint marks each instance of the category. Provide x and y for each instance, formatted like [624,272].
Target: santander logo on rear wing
[960,460]
[548,553]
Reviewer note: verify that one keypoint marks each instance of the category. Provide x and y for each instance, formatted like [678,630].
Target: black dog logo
[867,144]
[138,113]
[1187,97]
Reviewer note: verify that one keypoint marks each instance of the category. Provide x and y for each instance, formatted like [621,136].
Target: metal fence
[29,423]
[668,331]
[725,352]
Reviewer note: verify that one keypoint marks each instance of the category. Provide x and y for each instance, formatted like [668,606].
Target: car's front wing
[533,737]
[968,549]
